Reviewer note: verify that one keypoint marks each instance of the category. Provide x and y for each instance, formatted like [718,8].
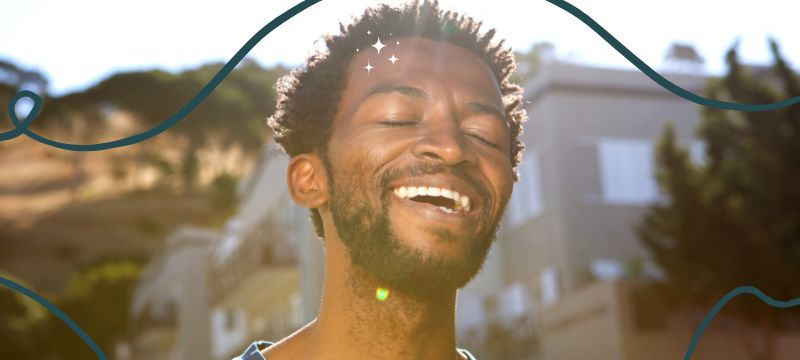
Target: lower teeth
[447,210]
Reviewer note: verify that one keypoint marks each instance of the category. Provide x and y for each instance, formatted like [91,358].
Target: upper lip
[443,182]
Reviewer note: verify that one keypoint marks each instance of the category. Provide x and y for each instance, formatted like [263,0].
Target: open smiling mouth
[446,200]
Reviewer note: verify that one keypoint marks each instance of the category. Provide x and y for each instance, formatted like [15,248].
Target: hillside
[61,210]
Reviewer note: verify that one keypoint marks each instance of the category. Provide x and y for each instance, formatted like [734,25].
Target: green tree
[223,197]
[98,299]
[14,78]
[529,62]
[233,115]
[21,324]
[734,219]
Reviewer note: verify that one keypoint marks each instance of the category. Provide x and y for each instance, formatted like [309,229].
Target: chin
[436,266]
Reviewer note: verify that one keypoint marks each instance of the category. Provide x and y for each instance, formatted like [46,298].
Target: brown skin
[456,110]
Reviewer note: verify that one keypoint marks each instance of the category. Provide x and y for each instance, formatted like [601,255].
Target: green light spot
[381,294]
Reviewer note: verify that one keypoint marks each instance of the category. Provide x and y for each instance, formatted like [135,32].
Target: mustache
[426,168]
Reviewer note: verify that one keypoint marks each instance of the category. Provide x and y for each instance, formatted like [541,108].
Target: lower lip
[434,213]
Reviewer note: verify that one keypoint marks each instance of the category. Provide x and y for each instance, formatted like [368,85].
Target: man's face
[419,163]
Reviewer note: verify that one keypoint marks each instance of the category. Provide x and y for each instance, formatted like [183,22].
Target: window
[526,201]
[515,302]
[697,152]
[230,240]
[229,320]
[626,171]
[607,269]
[548,280]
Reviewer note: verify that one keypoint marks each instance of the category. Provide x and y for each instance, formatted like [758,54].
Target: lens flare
[381,294]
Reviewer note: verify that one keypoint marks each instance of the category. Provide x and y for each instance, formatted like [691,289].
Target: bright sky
[78,43]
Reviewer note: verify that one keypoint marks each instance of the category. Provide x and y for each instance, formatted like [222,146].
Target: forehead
[442,70]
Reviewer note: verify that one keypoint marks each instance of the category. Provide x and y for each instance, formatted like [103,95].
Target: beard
[374,247]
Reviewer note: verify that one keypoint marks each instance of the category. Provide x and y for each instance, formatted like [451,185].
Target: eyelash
[409,123]
[484,140]
[398,123]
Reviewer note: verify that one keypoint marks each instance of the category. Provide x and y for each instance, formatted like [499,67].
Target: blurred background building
[250,281]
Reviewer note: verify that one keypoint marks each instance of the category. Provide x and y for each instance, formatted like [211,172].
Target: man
[404,142]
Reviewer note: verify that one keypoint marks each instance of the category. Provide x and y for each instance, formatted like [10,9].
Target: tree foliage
[233,115]
[530,62]
[21,324]
[735,219]
[14,78]
[98,298]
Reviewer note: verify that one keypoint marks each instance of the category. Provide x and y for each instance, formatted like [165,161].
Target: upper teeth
[407,192]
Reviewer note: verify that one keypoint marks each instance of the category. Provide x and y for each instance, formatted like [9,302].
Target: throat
[399,321]
[385,331]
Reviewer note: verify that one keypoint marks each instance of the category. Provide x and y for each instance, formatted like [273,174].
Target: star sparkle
[368,67]
[393,59]
[378,45]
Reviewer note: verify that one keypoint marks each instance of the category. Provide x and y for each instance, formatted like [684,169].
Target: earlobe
[307,181]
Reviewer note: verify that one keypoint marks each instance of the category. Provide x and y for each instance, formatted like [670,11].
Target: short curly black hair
[308,98]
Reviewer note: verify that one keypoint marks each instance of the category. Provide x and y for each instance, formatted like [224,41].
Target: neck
[354,324]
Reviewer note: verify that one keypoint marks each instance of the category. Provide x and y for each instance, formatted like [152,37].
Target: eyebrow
[403,90]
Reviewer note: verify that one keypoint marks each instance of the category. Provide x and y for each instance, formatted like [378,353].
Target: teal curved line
[22,127]
[734,293]
[57,312]
[660,80]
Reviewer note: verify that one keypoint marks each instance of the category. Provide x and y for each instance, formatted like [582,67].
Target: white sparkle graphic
[378,45]
[368,32]
[398,43]
[368,67]
[393,59]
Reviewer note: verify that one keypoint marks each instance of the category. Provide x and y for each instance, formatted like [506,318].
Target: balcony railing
[266,244]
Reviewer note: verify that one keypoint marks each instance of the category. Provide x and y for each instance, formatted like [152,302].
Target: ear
[307,181]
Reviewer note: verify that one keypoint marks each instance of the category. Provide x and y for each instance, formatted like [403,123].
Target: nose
[442,141]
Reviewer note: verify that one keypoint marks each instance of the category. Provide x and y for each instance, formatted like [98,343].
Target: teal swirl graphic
[57,312]
[727,298]
[22,127]
[660,80]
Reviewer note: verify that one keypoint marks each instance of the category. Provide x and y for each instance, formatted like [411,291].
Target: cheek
[502,180]
[356,171]
[350,155]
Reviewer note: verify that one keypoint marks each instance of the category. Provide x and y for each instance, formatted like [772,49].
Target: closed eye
[484,140]
[397,123]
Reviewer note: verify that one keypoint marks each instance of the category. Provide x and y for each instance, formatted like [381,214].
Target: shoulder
[466,354]
[253,352]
